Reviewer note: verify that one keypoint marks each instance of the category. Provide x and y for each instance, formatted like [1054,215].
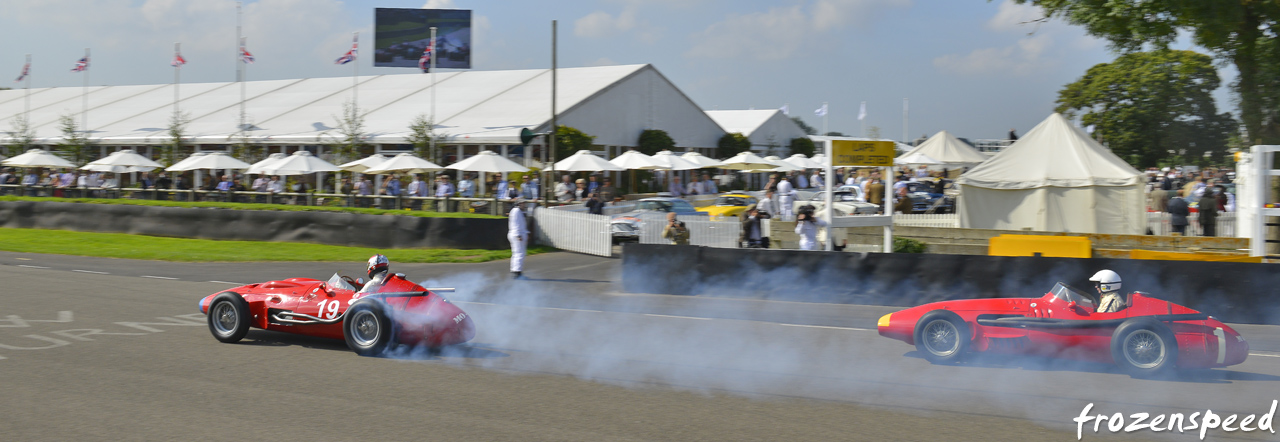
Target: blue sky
[967,66]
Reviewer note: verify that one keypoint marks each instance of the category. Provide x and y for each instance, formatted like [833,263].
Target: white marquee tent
[949,151]
[1054,179]
[765,128]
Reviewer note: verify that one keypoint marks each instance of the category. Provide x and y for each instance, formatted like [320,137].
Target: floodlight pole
[431,135]
[84,98]
[551,136]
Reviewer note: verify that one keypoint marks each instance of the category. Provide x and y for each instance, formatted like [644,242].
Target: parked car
[729,204]
[626,226]
[925,200]
[843,203]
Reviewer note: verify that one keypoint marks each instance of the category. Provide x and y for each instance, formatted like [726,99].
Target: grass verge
[252,206]
[119,245]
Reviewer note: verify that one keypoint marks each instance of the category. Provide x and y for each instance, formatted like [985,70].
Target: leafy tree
[1145,104]
[422,134]
[240,146]
[570,140]
[809,130]
[653,141]
[350,139]
[732,144]
[1243,33]
[802,145]
[21,136]
[74,141]
[177,130]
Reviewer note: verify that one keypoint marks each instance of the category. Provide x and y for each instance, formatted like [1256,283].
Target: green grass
[119,245]
[253,206]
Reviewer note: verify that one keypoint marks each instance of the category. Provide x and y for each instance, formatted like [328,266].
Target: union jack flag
[350,56]
[26,69]
[81,65]
[245,56]
[178,61]
[424,62]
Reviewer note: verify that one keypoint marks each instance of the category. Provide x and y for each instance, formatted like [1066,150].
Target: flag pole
[551,137]
[431,137]
[355,76]
[177,77]
[84,97]
[26,110]
[240,68]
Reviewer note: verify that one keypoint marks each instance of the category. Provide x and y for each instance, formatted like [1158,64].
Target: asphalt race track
[107,350]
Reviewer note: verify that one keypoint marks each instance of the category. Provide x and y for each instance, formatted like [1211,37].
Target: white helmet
[1106,281]
[378,263]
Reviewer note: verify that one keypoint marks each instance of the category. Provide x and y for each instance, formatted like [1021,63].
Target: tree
[422,134]
[74,141]
[802,145]
[569,141]
[653,141]
[21,136]
[177,130]
[350,139]
[1146,104]
[808,130]
[1244,33]
[732,144]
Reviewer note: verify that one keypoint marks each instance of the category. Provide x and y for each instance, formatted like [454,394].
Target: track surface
[105,349]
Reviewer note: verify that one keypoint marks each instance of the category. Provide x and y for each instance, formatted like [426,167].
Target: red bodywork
[1052,326]
[429,320]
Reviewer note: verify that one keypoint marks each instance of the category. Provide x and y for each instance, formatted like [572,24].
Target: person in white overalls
[786,198]
[518,235]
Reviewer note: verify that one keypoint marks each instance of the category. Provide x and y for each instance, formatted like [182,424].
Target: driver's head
[378,263]
[1106,281]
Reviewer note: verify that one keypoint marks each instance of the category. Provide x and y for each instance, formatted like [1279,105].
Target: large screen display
[400,36]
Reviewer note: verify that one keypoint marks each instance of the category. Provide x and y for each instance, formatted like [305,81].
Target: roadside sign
[862,153]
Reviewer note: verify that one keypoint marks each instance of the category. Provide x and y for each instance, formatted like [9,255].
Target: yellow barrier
[1188,256]
[1033,245]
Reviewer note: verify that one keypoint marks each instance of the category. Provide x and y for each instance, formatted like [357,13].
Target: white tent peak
[1055,153]
[949,150]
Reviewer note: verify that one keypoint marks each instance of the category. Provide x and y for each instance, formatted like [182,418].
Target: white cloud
[439,4]
[1011,16]
[600,24]
[780,32]
[1022,58]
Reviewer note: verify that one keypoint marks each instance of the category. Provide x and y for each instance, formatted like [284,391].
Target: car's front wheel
[229,317]
[1144,347]
[367,329]
[942,337]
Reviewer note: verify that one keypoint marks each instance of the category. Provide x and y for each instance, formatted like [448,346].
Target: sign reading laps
[862,153]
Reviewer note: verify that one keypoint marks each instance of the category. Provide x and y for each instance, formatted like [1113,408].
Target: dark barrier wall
[1234,292]
[334,228]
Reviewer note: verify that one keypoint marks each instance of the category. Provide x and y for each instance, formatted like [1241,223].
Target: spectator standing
[709,185]
[31,179]
[799,180]
[467,186]
[518,236]
[528,189]
[1159,199]
[875,192]
[223,186]
[1208,207]
[564,189]
[1178,212]
[752,234]
[260,186]
[807,227]
[675,188]
[6,177]
[594,205]
[675,231]
[816,179]
[580,192]
[275,186]
[417,189]
[606,191]
[786,198]
[593,186]
[904,205]
[1013,135]
[444,190]
[499,189]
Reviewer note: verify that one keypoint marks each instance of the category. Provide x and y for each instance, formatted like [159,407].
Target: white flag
[862,111]
[822,111]
[786,110]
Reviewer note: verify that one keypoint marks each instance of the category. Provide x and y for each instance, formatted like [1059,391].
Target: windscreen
[1070,294]
[337,282]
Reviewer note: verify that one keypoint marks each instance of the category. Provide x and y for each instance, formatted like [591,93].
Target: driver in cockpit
[378,269]
[1107,283]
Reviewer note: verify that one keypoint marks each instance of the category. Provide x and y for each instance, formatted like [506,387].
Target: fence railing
[1160,223]
[940,220]
[703,231]
[574,231]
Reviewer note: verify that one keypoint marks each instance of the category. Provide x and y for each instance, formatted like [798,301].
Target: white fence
[574,231]
[702,230]
[1156,221]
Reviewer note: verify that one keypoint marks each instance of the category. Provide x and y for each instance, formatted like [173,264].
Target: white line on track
[1265,355]
[91,271]
[681,317]
[584,266]
[32,267]
[157,277]
[227,282]
[573,310]
[825,326]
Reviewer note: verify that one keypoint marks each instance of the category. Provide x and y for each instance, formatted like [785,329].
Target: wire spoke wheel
[226,318]
[941,337]
[1144,349]
[366,329]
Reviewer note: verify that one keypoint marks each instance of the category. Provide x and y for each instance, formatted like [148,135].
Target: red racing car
[1148,337]
[396,312]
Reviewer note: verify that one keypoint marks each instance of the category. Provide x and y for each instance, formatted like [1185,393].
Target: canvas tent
[949,150]
[767,129]
[1054,179]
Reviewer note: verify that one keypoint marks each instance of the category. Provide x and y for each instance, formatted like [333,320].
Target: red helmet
[378,263]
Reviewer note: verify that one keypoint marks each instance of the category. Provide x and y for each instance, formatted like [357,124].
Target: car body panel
[726,205]
[647,206]
[844,203]
[421,316]
[1058,326]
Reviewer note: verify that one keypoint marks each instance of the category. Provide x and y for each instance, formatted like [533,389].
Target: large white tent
[767,128]
[949,151]
[1054,179]
[612,103]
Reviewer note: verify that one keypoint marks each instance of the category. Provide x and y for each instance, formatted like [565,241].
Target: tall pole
[240,68]
[84,97]
[355,76]
[26,109]
[431,137]
[177,79]
[825,111]
[905,120]
[551,138]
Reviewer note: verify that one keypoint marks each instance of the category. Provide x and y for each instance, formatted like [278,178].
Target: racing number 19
[332,306]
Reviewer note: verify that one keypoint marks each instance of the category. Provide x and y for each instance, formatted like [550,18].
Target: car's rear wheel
[942,337]
[1144,347]
[229,317]
[367,329]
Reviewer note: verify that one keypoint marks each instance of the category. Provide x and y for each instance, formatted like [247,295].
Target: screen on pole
[401,35]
